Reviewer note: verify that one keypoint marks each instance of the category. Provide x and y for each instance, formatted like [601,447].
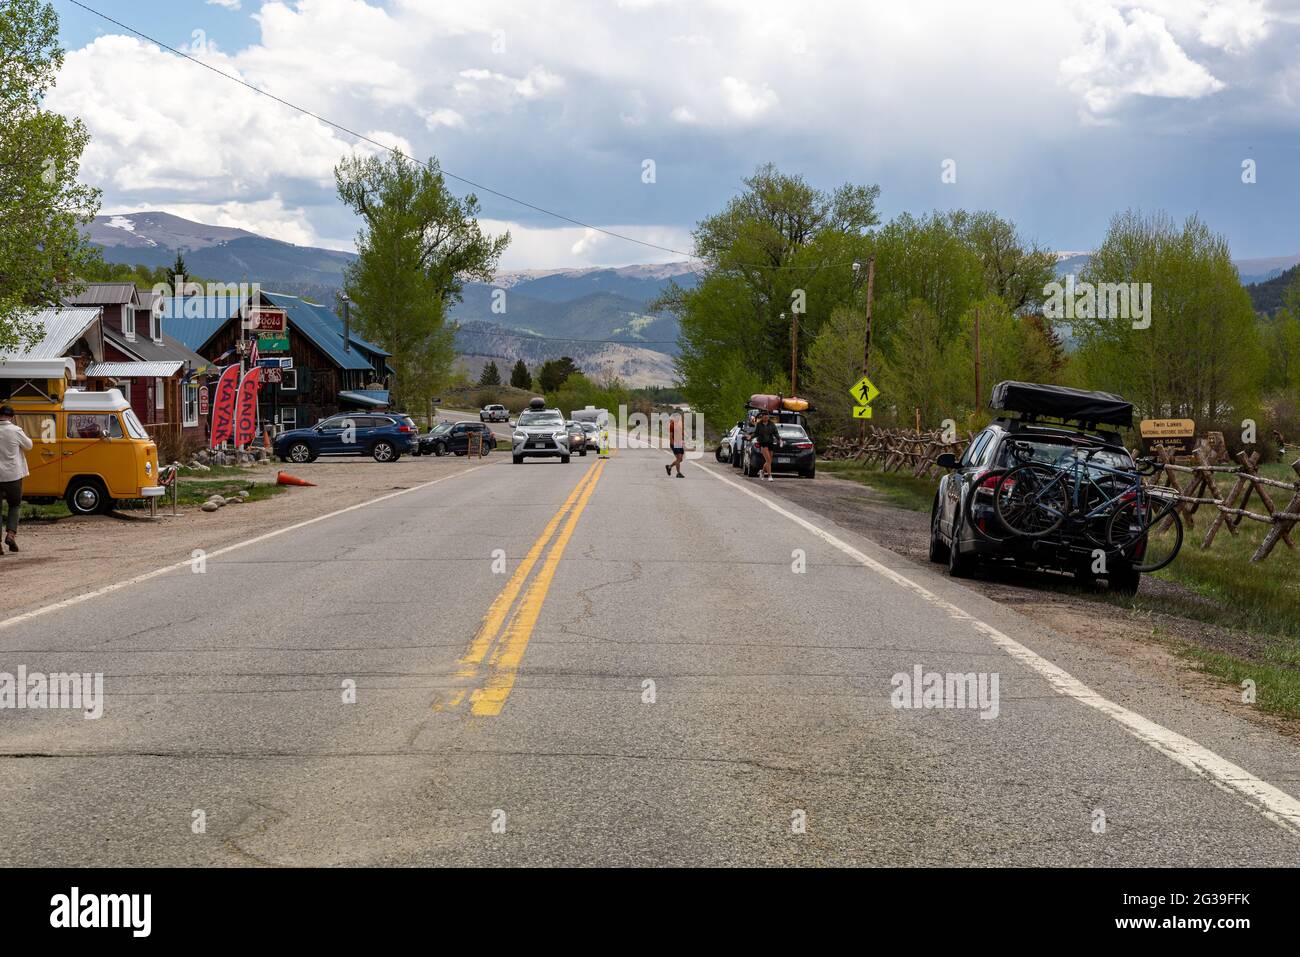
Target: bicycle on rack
[1110,506]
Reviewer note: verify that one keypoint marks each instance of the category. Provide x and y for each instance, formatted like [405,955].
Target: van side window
[93,425]
[39,426]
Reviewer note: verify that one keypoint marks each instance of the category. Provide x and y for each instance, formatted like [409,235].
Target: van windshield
[133,426]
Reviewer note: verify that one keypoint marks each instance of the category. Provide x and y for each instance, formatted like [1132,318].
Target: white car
[540,433]
[494,413]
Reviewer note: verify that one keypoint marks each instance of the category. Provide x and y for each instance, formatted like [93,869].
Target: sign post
[864,393]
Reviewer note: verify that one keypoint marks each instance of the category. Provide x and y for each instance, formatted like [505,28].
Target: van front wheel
[87,497]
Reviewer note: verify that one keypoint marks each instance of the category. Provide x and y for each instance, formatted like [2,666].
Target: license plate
[535,445]
[783,460]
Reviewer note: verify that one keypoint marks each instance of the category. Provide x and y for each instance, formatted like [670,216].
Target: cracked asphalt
[676,691]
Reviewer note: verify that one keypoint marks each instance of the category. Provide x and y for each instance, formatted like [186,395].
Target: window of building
[289,382]
[160,394]
[128,321]
[190,403]
[155,325]
[289,418]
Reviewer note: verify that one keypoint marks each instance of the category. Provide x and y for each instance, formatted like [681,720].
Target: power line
[392,149]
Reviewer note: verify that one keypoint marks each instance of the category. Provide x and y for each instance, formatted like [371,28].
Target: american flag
[253,357]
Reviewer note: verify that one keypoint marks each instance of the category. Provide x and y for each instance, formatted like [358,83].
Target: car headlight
[520,436]
[148,468]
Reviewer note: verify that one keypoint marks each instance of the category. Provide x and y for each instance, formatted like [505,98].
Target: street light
[347,329]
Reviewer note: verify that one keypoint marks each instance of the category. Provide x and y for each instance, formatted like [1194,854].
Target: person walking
[677,443]
[14,443]
[765,437]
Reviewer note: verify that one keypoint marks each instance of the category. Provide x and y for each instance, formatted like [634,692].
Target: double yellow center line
[491,663]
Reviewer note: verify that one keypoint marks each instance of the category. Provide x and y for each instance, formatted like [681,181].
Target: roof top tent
[1033,402]
[45,379]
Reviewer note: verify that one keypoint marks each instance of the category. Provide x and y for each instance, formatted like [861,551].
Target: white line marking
[1276,805]
[117,586]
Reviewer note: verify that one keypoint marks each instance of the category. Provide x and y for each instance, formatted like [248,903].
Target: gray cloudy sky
[1057,113]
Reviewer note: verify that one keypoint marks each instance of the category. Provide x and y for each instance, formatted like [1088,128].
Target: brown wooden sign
[1171,433]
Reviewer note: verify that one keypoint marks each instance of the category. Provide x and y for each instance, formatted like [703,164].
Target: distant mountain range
[1251,271]
[554,311]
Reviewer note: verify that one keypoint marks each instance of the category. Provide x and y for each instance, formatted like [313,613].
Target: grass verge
[903,490]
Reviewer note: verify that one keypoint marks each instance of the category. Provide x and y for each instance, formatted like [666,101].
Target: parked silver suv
[541,433]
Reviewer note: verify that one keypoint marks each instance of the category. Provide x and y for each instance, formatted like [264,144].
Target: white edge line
[117,586]
[1273,803]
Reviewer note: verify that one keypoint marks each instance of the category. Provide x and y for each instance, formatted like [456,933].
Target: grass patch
[1277,684]
[198,491]
[1261,598]
[900,488]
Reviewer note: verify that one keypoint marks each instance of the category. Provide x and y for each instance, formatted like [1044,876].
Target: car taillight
[991,479]
[803,445]
[405,428]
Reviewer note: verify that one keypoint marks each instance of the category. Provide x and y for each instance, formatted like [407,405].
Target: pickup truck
[494,413]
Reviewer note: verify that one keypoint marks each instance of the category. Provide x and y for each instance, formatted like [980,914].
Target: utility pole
[794,353]
[871,282]
[866,345]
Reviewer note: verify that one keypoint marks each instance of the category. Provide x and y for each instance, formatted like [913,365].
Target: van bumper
[153,491]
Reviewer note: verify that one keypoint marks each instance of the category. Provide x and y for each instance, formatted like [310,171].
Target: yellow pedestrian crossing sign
[865,392]
[862,412]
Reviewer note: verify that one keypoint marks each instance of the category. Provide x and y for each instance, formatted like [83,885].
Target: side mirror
[946,461]
[105,434]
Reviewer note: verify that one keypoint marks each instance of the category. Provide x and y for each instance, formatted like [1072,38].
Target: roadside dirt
[1146,640]
[74,555]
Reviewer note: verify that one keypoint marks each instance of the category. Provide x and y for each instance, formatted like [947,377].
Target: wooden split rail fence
[1197,481]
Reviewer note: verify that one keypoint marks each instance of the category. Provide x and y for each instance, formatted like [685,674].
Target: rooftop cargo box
[1059,402]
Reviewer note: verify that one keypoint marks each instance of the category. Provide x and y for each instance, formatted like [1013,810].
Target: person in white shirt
[14,443]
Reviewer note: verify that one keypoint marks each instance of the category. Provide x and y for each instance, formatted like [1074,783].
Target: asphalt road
[657,671]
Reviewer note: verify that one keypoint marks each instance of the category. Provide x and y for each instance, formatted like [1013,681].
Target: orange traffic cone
[284,478]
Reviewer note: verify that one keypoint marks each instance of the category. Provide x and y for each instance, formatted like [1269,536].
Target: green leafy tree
[44,207]
[554,372]
[520,377]
[1200,357]
[781,246]
[491,375]
[417,244]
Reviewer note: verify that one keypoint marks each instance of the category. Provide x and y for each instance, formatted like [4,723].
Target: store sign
[266,320]
[273,374]
[278,343]
[203,400]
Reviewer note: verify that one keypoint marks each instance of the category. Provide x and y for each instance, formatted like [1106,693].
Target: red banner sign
[246,416]
[223,406]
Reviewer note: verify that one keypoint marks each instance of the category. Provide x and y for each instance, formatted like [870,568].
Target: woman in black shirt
[765,437]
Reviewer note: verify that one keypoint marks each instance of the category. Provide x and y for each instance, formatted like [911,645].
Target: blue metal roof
[196,319]
[376,397]
[193,320]
[336,322]
[313,322]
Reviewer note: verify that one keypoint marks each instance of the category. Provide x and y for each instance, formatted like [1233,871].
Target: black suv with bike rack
[1046,486]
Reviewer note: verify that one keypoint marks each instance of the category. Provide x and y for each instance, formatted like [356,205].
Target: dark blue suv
[385,436]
